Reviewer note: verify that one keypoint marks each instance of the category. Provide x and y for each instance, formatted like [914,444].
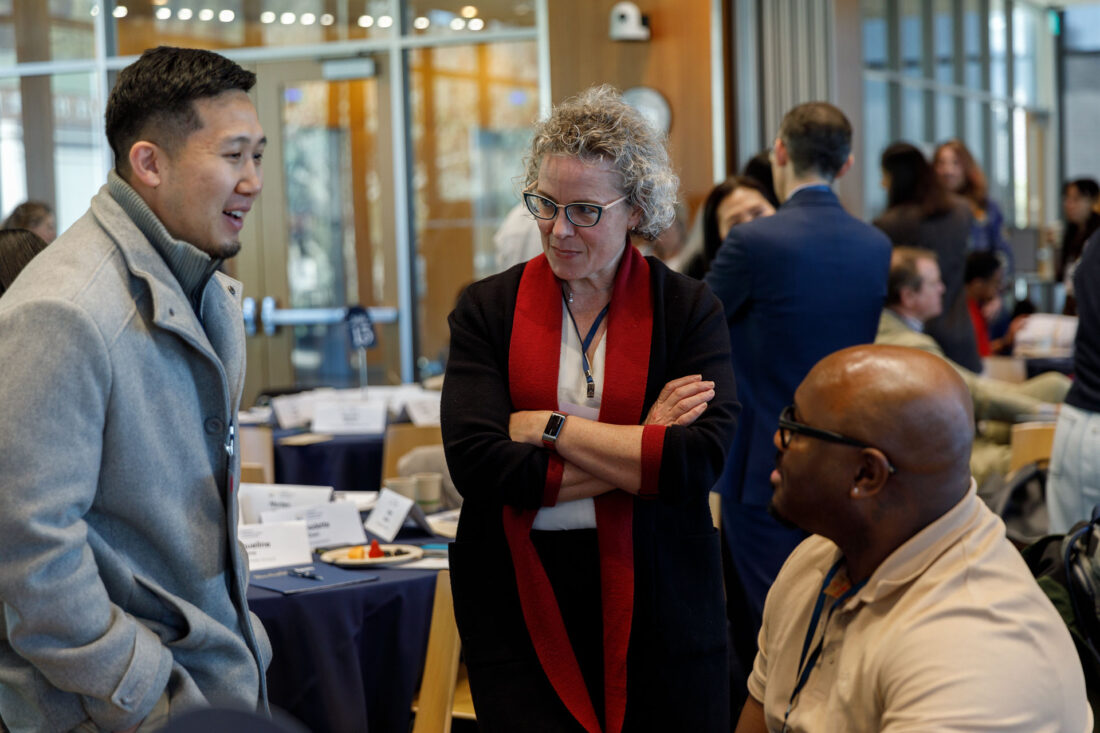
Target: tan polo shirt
[950,633]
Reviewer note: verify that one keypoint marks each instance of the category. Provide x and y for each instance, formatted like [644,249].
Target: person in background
[122,585]
[759,168]
[1079,199]
[907,609]
[794,287]
[984,282]
[922,213]
[587,409]
[37,216]
[960,174]
[1073,484]
[17,248]
[915,296]
[517,240]
[734,201]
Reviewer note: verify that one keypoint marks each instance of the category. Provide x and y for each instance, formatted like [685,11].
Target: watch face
[651,104]
[553,427]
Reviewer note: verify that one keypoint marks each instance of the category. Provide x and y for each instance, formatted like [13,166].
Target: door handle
[272,317]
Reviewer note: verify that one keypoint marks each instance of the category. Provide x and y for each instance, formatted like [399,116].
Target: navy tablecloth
[349,659]
[346,462]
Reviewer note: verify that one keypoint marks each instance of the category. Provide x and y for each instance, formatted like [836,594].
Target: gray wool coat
[122,583]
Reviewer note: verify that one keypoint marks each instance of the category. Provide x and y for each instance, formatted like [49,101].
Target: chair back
[1031,442]
[435,700]
[402,438]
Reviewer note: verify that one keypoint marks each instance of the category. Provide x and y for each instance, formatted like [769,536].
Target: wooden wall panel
[675,62]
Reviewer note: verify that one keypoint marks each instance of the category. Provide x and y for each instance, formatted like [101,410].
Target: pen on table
[306,573]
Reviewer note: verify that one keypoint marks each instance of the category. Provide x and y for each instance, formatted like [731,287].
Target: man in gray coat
[122,583]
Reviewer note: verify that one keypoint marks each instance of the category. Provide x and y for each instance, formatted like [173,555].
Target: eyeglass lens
[581,215]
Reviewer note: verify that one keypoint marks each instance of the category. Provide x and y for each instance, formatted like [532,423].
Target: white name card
[256,499]
[389,514]
[328,525]
[342,417]
[424,410]
[274,545]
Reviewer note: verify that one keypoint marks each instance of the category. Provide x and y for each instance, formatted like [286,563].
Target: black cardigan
[677,658]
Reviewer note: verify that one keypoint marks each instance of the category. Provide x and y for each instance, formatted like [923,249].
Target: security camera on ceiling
[628,23]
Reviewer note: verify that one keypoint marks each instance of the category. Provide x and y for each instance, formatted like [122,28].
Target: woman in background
[733,201]
[920,212]
[36,216]
[17,248]
[960,174]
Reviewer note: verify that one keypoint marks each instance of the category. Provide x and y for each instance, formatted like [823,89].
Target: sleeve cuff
[554,472]
[653,445]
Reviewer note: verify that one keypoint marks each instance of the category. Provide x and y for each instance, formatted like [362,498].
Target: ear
[146,162]
[845,168]
[872,473]
[779,150]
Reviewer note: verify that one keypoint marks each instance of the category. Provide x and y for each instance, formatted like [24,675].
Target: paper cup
[406,486]
[429,491]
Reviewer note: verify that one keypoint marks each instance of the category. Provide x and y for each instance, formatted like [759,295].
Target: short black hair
[154,97]
[17,248]
[818,138]
[981,266]
[1087,187]
[913,180]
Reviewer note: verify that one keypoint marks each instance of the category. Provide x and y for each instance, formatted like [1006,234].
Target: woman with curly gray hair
[587,410]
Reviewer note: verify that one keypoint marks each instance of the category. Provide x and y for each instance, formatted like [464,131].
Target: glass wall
[979,70]
[1081,92]
[399,127]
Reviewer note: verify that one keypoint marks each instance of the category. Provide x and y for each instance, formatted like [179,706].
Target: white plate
[339,556]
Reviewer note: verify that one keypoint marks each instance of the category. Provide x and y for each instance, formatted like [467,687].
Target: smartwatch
[553,429]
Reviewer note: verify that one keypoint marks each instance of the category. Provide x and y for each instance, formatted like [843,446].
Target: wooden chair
[1031,442]
[257,452]
[402,438]
[444,689]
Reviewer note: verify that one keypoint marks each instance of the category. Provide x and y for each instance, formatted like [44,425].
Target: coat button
[214,426]
[171,311]
[232,290]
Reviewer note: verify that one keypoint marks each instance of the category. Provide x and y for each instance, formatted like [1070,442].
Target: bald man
[907,609]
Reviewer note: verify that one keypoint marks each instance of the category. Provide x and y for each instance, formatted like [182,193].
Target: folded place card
[328,525]
[256,499]
[424,410]
[349,416]
[274,545]
[389,514]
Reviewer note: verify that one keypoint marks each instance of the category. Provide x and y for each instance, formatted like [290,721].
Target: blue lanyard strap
[585,343]
[806,665]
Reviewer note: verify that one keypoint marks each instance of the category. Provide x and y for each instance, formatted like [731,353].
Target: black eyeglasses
[788,425]
[579,214]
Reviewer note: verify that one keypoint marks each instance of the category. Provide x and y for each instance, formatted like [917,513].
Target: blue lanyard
[585,343]
[805,665]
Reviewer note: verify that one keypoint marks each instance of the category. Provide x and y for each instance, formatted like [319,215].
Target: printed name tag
[389,514]
[349,416]
[328,525]
[255,499]
[274,545]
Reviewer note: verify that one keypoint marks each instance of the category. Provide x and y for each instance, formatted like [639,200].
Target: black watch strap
[553,429]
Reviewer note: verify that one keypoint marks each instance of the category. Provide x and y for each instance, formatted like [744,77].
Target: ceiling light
[94,11]
[468,11]
[385,21]
[476,24]
[184,13]
[421,23]
[287,18]
[119,11]
[365,21]
[206,14]
[307,19]
[226,16]
[327,19]
[267,17]
[160,2]
[457,24]
[164,13]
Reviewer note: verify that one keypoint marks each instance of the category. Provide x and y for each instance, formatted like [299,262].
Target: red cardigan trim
[653,445]
[533,380]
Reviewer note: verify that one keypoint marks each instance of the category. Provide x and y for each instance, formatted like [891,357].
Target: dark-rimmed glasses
[579,214]
[788,425]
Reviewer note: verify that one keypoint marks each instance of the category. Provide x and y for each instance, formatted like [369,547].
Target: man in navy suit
[795,286]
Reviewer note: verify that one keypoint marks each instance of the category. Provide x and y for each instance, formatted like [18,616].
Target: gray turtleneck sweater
[191,266]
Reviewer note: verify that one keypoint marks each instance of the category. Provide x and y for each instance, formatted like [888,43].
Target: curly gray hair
[598,125]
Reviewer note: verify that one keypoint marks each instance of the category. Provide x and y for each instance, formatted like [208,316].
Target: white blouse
[573,400]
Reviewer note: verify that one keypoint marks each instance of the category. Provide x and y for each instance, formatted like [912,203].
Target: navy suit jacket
[795,286]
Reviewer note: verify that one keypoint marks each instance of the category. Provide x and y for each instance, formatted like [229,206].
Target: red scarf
[533,380]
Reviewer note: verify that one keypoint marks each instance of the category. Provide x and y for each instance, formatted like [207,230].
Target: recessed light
[327,19]
[457,24]
[307,19]
[421,23]
[287,18]
[267,17]
[226,16]
[206,14]
[164,13]
[365,21]
[476,24]
[119,11]
[384,21]
[184,13]
[468,11]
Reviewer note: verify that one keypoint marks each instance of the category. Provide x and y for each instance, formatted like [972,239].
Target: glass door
[323,229]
